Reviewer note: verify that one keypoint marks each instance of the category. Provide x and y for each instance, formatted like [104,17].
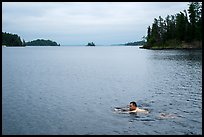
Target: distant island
[91,44]
[42,42]
[13,40]
[180,31]
[137,43]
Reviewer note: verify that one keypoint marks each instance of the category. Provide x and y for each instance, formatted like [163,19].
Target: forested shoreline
[9,39]
[137,43]
[180,31]
[13,40]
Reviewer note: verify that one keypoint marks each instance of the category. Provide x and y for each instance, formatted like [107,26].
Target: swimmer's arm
[121,110]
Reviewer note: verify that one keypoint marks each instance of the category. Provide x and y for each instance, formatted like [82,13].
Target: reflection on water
[73,90]
[179,55]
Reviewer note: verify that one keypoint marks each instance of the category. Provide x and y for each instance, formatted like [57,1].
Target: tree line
[41,42]
[184,27]
[135,43]
[12,40]
[9,39]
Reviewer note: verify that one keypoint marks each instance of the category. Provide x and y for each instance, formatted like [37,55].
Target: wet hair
[134,103]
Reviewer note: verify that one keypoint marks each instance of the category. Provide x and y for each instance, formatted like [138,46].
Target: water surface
[73,90]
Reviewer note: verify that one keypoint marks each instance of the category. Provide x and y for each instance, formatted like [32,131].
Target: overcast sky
[75,23]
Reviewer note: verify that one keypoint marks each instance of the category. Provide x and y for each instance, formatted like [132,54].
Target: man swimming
[133,108]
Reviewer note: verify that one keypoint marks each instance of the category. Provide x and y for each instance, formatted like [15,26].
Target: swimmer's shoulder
[142,110]
[138,110]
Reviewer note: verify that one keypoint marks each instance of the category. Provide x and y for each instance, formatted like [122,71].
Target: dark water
[73,90]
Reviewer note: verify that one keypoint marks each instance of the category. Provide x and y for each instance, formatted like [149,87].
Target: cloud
[72,22]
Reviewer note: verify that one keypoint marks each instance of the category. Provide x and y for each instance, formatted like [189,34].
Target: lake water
[73,90]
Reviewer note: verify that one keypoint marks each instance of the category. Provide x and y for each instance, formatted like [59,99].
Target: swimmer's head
[133,105]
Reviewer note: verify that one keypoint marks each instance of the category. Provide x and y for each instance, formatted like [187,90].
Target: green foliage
[176,29]
[9,39]
[41,42]
[148,33]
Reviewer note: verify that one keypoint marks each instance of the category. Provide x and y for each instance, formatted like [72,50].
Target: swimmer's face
[132,107]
